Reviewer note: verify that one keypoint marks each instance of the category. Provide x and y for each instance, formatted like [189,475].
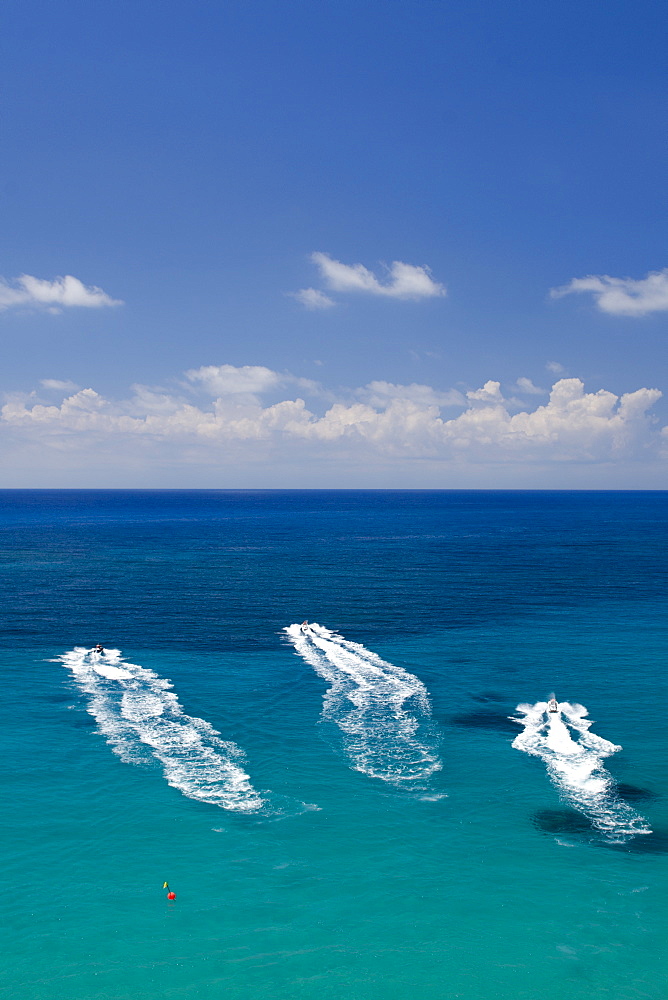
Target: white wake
[575,766]
[141,718]
[382,710]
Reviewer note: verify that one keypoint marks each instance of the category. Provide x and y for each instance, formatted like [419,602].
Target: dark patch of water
[655,842]
[487,696]
[497,721]
[79,720]
[633,793]
[562,822]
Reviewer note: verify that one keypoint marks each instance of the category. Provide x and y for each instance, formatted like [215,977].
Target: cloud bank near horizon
[251,414]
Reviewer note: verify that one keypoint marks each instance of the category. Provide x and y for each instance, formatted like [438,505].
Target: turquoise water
[362,826]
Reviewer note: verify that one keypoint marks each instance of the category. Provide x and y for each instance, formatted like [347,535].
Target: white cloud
[489,394]
[526,385]
[312,298]
[379,394]
[406,281]
[555,368]
[622,296]
[227,380]
[387,422]
[58,384]
[245,384]
[61,292]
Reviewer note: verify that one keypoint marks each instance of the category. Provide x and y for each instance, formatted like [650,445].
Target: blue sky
[237,180]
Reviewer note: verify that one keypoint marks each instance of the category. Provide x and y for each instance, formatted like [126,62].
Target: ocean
[376,806]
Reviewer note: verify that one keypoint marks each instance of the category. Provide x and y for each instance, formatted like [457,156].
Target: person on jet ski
[99,648]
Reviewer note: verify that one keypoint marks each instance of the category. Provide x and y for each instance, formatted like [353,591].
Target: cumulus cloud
[383,422]
[312,298]
[53,295]
[526,385]
[404,281]
[248,382]
[490,393]
[58,385]
[228,380]
[379,394]
[622,296]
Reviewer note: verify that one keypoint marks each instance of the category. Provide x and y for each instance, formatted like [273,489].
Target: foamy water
[383,711]
[574,758]
[141,719]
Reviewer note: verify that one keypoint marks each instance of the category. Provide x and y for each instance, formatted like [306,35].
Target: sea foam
[382,710]
[142,720]
[575,766]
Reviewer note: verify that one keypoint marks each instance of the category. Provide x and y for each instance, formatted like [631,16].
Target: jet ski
[553,705]
[99,649]
[305,627]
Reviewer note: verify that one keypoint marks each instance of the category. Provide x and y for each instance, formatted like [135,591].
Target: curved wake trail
[141,718]
[367,700]
[575,767]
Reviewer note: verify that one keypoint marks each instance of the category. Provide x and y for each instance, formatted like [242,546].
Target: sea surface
[374,807]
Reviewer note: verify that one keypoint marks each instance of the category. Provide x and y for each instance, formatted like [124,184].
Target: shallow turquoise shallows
[377,806]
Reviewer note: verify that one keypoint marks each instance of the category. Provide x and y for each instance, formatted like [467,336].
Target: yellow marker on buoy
[166,885]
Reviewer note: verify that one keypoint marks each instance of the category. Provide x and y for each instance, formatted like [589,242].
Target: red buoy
[171,895]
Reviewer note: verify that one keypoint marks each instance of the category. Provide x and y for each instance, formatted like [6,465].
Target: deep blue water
[363,826]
